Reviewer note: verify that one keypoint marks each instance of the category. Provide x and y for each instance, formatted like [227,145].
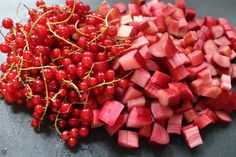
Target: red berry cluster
[59,62]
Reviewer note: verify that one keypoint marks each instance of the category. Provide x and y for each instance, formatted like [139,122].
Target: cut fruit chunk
[131,60]
[174,124]
[192,136]
[145,131]
[203,121]
[159,135]
[96,122]
[168,97]
[120,122]
[128,139]
[140,77]
[125,31]
[131,93]
[141,101]
[164,47]
[160,112]
[139,116]
[110,112]
[161,79]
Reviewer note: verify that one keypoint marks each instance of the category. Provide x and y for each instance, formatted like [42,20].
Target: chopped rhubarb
[131,60]
[203,121]
[131,93]
[164,47]
[223,117]
[159,135]
[141,101]
[190,115]
[160,112]
[174,124]
[120,122]
[128,139]
[217,31]
[140,77]
[139,116]
[125,31]
[225,82]
[168,97]
[145,131]
[190,38]
[196,57]
[161,79]
[96,122]
[192,136]
[110,112]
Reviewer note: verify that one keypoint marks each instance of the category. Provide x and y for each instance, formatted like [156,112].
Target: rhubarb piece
[160,112]
[159,135]
[140,77]
[221,62]
[209,91]
[217,31]
[161,79]
[145,131]
[131,93]
[148,27]
[151,90]
[190,115]
[151,65]
[126,19]
[125,31]
[180,4]
[225,82]
[110,112]
[190,38]
[196,57]
[131,60]
[128,139]
[168,97]
[190,13]
[140,42]
[120,122]
[179,73]
[121,6]
[203,121]
[164,47]
[222,41]
[183,89]
[174,124]
[223,117]
[210,47]
[175,61]
[225,50]
[134,9]
[139,116]
[192,136]
[141,101]
[95,121]
[144,51]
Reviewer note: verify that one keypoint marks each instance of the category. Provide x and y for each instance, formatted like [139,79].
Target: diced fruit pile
[146,69]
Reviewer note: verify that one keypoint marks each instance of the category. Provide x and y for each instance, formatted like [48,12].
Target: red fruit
[110,112]
[7,23]
[128,139]
[120,122]
[65,135]
[139,116]
[159,135]
[72,142]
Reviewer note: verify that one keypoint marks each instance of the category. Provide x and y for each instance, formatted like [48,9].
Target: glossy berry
[7,23]
[72,142]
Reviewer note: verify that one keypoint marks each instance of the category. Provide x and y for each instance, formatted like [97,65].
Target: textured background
[18,139]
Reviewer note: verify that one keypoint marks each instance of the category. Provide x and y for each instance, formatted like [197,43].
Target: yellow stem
[71,14]
[55,124]
[7,72]
[56,35]
[73,86]
[34,24]
[46,88]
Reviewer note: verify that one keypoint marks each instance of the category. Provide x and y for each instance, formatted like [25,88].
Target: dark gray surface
[18,139]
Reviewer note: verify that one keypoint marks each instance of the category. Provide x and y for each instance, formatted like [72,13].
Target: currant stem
[33,68]
[73,86]
[7,72]
[71,14]
[106,19]
[55,124]
[89,72]
[46,88]
[34,24]
[56,35]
